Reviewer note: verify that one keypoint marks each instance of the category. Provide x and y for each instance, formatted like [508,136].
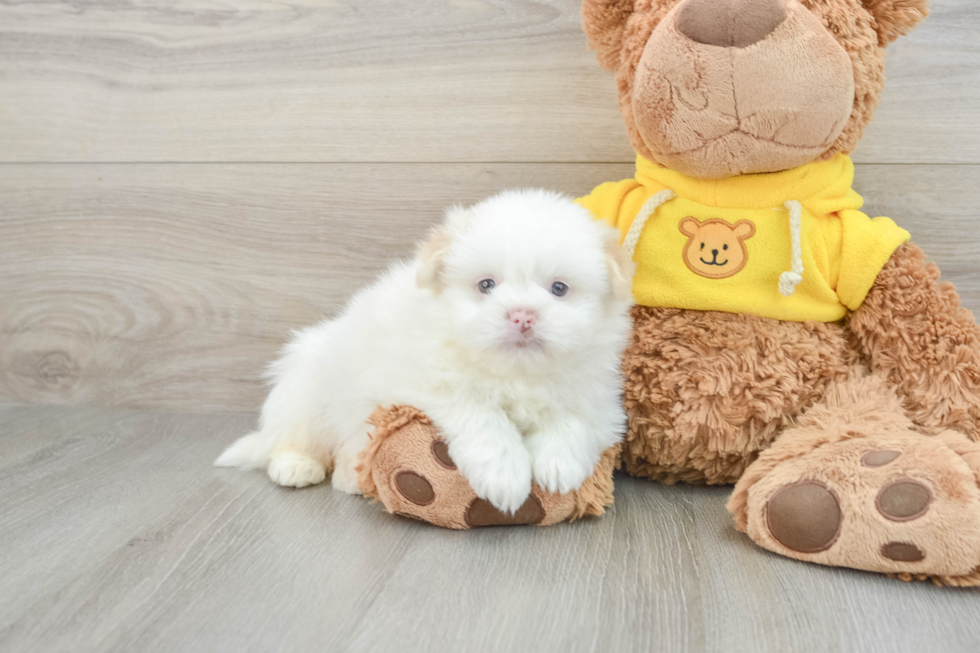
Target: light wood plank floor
[117,536]
[183,183]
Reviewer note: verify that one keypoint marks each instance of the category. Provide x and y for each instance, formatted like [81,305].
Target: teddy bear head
[716,88]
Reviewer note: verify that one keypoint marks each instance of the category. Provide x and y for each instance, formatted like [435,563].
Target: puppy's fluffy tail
[249,452]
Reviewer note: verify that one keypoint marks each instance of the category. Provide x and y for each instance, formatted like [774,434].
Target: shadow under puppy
[506,330]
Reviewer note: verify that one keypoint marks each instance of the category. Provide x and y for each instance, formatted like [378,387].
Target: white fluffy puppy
[506,330]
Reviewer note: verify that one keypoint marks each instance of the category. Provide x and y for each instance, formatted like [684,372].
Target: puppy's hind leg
[285,446]
[300,458]
[292,463]
[294,469]
[294,442]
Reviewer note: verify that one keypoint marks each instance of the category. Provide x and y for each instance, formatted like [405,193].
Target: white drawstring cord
[648,208]
[789,280]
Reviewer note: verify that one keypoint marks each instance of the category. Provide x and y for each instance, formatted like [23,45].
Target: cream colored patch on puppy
[506,329]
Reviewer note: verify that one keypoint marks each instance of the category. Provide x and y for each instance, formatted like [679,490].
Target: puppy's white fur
[512,406]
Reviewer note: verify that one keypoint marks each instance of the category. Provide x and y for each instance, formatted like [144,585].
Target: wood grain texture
[174,285]
[118,536]
[170,284]
[385,80]
[161,285]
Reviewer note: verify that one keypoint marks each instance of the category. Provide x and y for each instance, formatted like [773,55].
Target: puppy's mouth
[525,342]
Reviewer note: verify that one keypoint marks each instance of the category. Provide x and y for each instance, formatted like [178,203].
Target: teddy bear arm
[407,467]
[915,333]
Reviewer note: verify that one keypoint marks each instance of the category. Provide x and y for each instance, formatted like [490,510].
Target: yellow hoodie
[728,245]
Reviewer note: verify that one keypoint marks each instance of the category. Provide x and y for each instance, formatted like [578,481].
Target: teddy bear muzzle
[728,87]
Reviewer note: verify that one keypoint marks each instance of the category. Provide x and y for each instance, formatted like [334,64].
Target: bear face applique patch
[715,249]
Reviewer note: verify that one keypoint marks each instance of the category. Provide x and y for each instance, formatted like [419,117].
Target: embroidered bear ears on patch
[715,249]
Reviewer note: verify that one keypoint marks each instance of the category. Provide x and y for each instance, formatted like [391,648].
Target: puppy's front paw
[293,469]
[501,474]
[559,470]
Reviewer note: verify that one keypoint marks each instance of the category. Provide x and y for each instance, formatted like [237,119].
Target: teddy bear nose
[730,23]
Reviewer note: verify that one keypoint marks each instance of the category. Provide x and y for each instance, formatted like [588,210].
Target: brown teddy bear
[784,341]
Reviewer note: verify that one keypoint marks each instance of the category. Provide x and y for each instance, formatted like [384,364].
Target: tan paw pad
[889,504]
[441,452]
[804,516]
[879,458]
[482,513]
[415,488]
[902,552]
[903,500]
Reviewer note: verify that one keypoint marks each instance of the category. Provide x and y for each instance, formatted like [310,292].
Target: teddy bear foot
[903,503]
[408,469]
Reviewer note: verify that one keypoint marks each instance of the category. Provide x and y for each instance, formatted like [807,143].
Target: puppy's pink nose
[523,319]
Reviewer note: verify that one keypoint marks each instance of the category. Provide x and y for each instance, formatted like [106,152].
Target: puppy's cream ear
[431,253]
[620,269]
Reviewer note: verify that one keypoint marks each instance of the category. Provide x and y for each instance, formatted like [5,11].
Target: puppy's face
[526,276]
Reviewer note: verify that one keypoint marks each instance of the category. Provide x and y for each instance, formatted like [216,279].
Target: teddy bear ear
[896,18]
[603,22]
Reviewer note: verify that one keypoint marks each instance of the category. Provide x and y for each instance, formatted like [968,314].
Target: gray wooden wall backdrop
[183,183]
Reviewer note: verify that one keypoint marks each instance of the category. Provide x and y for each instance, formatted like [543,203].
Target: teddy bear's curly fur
[823,402]
[706,391]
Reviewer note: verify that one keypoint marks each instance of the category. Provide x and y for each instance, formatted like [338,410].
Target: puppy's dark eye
[486,286]
[558,289]
[725,247]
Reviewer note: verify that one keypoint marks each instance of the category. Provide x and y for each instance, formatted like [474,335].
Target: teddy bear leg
[854,485]
[407,467]
[916,335]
